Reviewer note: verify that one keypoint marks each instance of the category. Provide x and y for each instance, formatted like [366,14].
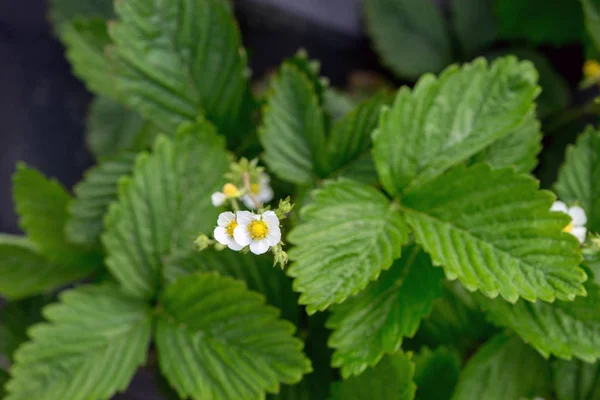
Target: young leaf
[579,177]
[436,374]
[564,328]
[293,131]
[504,368]
[375,321]
[348,145]
[163,206]
[63,12]
[518,149]
[474,23]
[42,208]
[391,379]
[444,121]
[494,231]
[591,13]
[93,195]
[558,23]
[86,41]
[94,341]
[256,271]
[576,380]
[178,59]
[218,340]
[411,37]
[112,128]
[349,235]
[26,273]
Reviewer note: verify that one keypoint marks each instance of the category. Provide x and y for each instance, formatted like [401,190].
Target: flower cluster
[244,228]
[578,219]
[247,182]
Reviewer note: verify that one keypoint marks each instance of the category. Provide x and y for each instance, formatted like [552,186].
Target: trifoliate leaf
[518,149]
[217,340]
[94,341]
[93,195]
[579,177]
[26,273]
[293,130]
[62,12]
[474,23]
[436,374]
[349,235]
[42,208]
[411,37]
[112,128]
[504,368]
[256,271]
[375,321]
[540,22]
[15,318]
[563,328]
[591,14]
[444,121]
[178,59]
[391,379]
[493,230]
[576,380]
[86,41]
[348,146]
[163,206]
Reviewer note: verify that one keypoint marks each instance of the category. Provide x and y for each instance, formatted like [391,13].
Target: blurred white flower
[578,219]
[223,233]
[260,232]
[262,192]
[218,199]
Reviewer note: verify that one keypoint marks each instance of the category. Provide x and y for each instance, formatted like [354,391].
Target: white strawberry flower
[223,233]
[578,219]
[262,192]
[259,231]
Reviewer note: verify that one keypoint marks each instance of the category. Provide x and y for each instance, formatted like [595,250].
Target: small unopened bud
[284,208]
[230,190]
[591,69]
[202,242]
[280,256]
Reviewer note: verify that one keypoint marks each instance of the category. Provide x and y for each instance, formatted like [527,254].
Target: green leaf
[218,340]
[518,149]
[391,379]
[42,208]
[564,328]
[436,374]
[179,59]
[375,321]
[494,231]
[579,177]
[15,318]
[504,368]
[93,195]
[558,23]
[349,235]
[293,129]
[112,128]
[26,273]
[94,341]
[591,14]
[163,206]
[576,380]
[444,121]
[474,23]
[347,148]
[86,41]
[337,103]
[4,377]
[256,271]
[410,37]
[63,12]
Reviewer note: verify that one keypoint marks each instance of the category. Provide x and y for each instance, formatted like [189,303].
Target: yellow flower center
[568,228]
[258,229]
[230,190]
[230,227]
[255,187]
[591,69]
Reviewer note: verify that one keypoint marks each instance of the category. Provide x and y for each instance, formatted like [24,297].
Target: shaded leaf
[591,13]
[474,23]
[62,12]
[436,374]
[15,318]
[576,380]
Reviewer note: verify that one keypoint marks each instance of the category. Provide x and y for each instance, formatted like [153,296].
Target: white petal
[266,194]
[579,232]
[274,236]
[225,218]
[259,246]
[218,199]
[241,235]
[235,246]
[221,235]
[248,202]
[265,179]
[559,206]
[578,215]
[271,219]
[245,217]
